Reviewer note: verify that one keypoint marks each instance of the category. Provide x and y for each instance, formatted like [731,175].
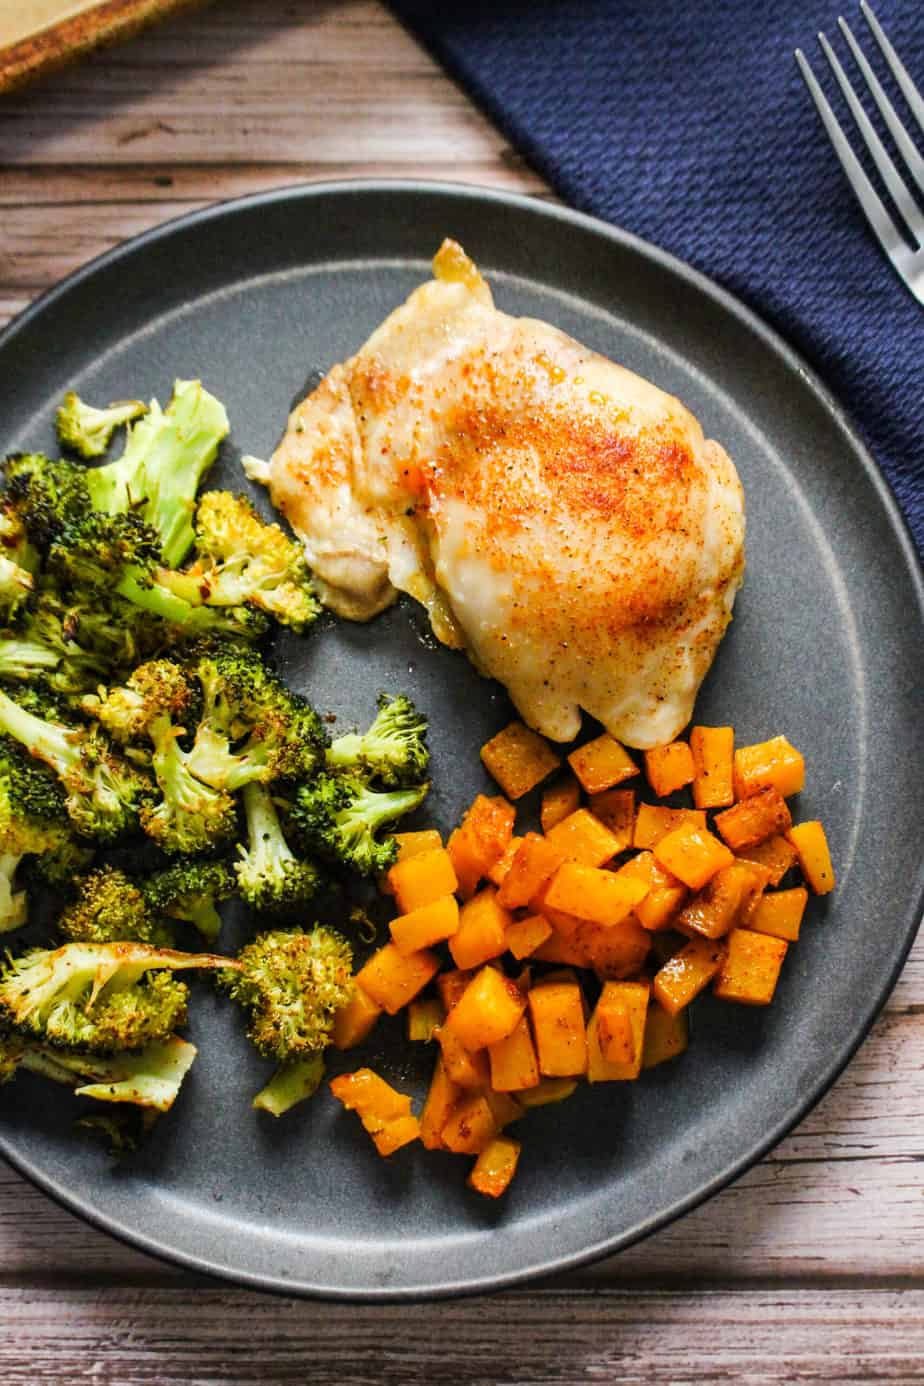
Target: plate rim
[914,571]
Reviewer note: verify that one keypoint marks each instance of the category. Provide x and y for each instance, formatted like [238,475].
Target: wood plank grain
[167,1337]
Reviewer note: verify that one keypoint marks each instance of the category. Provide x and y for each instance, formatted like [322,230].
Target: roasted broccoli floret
[100,997]
[189,890]
[252,726]
[94,643]
[269,874]
[338,816]
[60,866]
[166,456]
[16,585]
[104,792]
[14,903]
[158,688]
[393,750]
[88,431]
[33,820]
[149,1077]
[292,983]
[243,561]
[47,498]
[24,660]
[110,908]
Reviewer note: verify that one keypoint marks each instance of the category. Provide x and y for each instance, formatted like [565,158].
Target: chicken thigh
[563,520]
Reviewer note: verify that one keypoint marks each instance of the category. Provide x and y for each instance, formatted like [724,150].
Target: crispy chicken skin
[563,520]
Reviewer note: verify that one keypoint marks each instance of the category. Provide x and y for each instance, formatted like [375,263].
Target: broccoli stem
[13,903]
[291,1083]
[58,746]
[21,659]
[267,844]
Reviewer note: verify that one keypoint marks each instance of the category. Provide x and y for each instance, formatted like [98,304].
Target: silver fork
[908,263]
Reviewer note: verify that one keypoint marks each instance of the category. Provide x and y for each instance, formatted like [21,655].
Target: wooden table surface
[810,1267]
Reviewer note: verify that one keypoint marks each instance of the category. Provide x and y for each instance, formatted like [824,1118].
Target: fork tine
[890,175]
[899,134]
[887,233]
[897,67]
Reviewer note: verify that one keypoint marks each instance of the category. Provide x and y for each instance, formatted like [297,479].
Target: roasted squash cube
[441,1098]
[514,1065]
[712,749]
[686,973]
[412,845]
[536,861]
[423,927]
[754,819]
[617,951]
[768,764]
[751,967]
[665,894]
[561,798]
[480,841]
[780,913]
[666,1035]
[385,1113]
[557,1013]
[498,872]
[392,978]
[548,1090]
[519,759]
[451,985]
[467,1068]
[482,931]
[811,846]
[692,854]
[424,1018]
[602,763]
[722,901]
[353,1022]
[654,821]
[602,897]
[488,1010]
[634,996]
[615,1035]
[422,879]
[559,949]
[669,768]
[525,935]
[776,855]
[615,809]
[583,838]
[470,1126]
[495,1167]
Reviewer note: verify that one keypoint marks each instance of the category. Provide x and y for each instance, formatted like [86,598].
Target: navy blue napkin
[688,124]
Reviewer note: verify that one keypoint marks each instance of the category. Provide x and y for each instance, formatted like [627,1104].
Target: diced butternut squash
[422,879]
[665,894]
[615,1035]
[514,1065]
[480,841]
[451,985]
[467,859]
[582,837]
[424,1018]
[411,845]
[392,979]
[666,1035]
[615,809]
[525,935]
[712,749]
[470,1126]
[602,763]
[498,872]
[722,901]
[634,997]
[385,1113]
[441,1098]
[602,897]
[495,1167]
[488,1010]
[504,1108]
[467,1068]
[780,913]
[482,931]
[353,1022]
[768,764]
[519,759]
[688,972]
[617,951]
[669,768]
[559,949]
[692,854]
[754,819]
[751,967]
[557,1013]
[561,798]
[536,861]
[776,854]
[811,846]
[425,926]
[654,821]
[548,1090]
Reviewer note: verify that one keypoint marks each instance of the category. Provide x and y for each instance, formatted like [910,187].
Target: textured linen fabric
[689,125]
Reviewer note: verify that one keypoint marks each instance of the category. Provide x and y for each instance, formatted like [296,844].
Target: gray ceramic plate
[258,296]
